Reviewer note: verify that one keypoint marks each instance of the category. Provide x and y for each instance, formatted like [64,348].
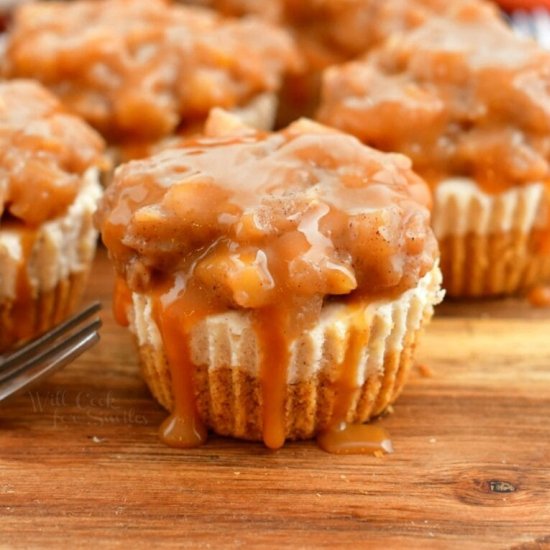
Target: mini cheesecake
[276,283]
[468,101]
[50,163]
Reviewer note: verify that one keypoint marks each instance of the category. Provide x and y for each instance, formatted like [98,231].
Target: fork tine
[8,359]
[51,360]
[522,23]
[45,353]
[541,23]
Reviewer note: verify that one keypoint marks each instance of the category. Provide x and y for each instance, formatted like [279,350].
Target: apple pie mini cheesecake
[468,101]
[276,283]
[142,70]
[49,170]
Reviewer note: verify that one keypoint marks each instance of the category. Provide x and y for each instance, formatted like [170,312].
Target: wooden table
[81,465]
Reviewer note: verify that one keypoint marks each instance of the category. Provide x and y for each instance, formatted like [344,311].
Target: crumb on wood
[424,370]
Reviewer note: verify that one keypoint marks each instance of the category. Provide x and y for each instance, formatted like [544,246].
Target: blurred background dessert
[330,32]
[141,70]
[467,100]
[50,163]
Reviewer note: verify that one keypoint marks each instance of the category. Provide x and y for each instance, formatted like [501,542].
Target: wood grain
[81,465]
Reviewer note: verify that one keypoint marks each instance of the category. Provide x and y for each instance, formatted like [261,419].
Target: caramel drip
[183,428]
[175,318]
[341,437]
[346,385]
[271,326]
[24,313]
[541,236]
[122,302]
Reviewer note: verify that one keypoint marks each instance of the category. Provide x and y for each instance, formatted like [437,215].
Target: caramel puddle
[342,437]
[183,431]
[539,296]
[348,439]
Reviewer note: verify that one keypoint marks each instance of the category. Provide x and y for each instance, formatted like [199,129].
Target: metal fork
[532,24]
[44,355]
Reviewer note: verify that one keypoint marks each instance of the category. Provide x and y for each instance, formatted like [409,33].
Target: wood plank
[81,464]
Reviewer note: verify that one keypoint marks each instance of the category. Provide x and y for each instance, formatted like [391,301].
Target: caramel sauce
[183,428]
[346,385]
[23,312]
[540,236]
[539,296]
[271,327]
[269,225]
[342,437]
[355,439]
[22,322]
[122,302]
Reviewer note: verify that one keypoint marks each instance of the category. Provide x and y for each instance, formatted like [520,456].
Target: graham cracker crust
[229,400]
[40,313]
[494,264]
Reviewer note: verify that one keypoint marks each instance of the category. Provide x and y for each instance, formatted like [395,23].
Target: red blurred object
[511,5]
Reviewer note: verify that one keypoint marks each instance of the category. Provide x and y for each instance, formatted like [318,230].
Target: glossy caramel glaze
[137,69]
[272,224]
